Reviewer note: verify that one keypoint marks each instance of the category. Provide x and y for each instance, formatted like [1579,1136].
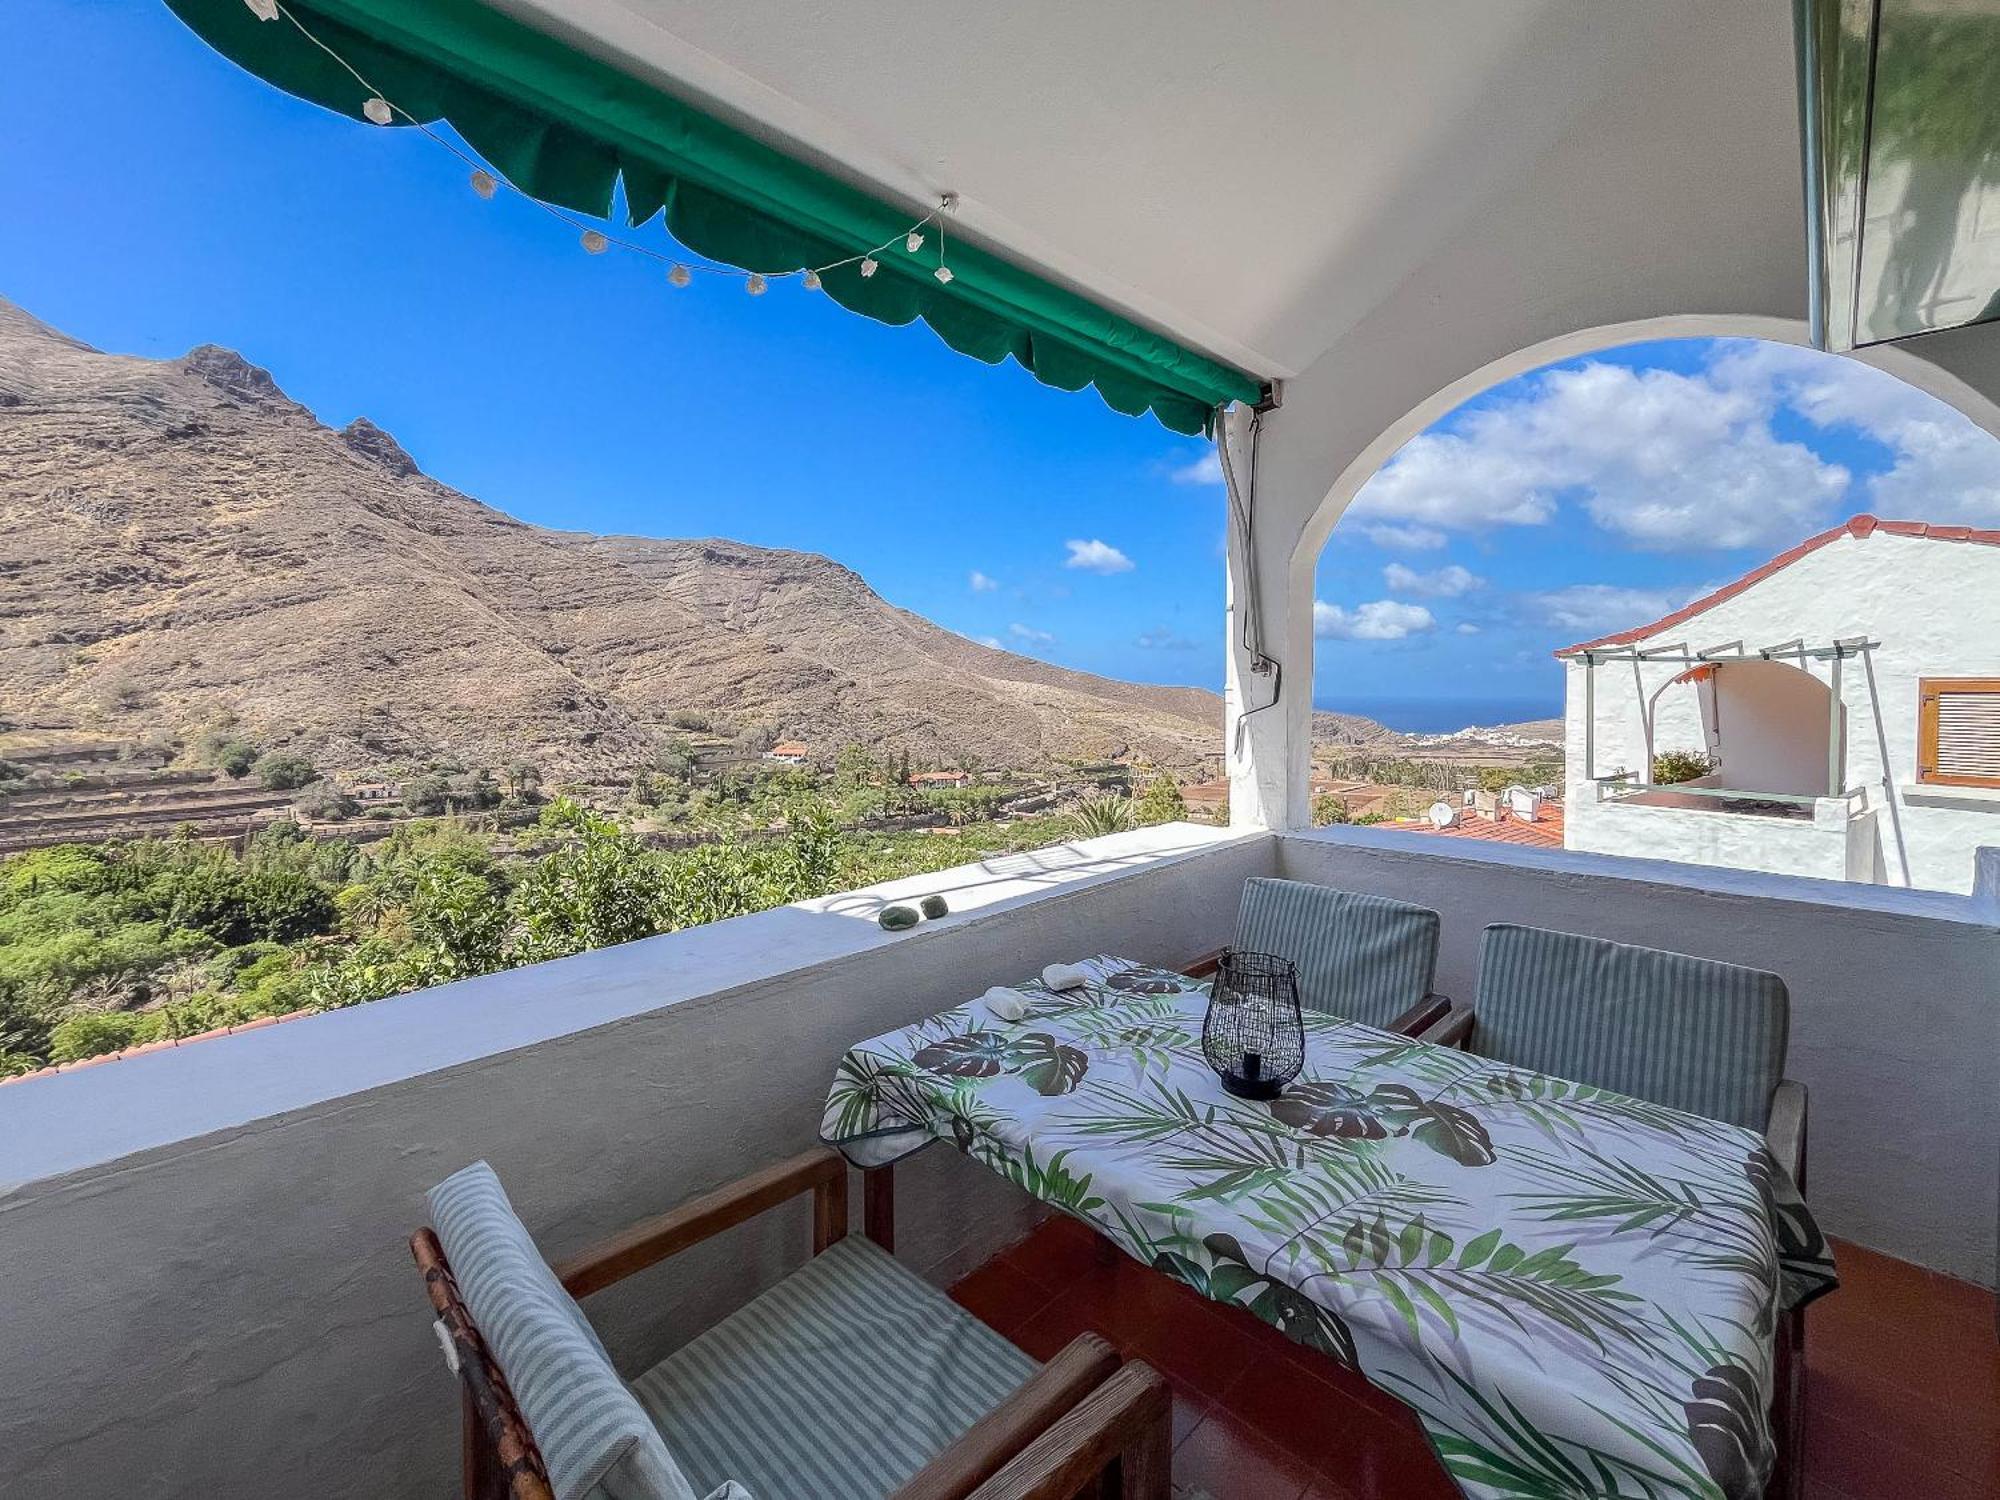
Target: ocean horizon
[1443,715]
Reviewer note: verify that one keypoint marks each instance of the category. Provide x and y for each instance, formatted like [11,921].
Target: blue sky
[157,198]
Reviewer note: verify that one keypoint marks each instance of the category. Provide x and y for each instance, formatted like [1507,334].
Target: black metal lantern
[1254,1036]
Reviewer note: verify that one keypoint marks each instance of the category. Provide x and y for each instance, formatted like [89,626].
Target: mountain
[179,539]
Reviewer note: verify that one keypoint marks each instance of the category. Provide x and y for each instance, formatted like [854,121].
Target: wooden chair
[1686,1032]
[1367,958]
[969,1416]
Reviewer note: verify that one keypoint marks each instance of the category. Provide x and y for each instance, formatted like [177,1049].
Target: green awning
[565,127]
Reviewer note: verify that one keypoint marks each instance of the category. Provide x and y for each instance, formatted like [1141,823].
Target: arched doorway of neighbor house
[1761,727]
[1585,488]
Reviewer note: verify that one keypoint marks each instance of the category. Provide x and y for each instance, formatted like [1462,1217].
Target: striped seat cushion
[1363,957]
[838,1383]
[596,1441]
[1682,1031]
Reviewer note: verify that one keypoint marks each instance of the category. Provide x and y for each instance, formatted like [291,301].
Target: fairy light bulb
[868,265]
[485,184]
[680,275]
[943,274]
[594,242]
[913,241]
[755,285]
[812,281]
[377,110]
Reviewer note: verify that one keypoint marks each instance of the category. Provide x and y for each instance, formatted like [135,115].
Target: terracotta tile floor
[1903,1396]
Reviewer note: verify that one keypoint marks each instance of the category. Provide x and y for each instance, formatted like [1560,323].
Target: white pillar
[1268,720]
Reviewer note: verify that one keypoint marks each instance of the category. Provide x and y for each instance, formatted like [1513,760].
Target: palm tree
[1099,814]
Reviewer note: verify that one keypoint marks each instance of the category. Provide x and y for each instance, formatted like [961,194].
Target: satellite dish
[1443,815]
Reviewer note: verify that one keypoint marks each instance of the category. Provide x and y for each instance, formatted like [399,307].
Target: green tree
[426,794]
[598,887]
[324,802]
[229,753]
[1162,802]
[283,770]
[1327,808]
[677,759]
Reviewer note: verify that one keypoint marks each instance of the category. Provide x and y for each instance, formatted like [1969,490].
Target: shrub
[1163,802]
[106,1031]
[228,753]
[283,771]
[1328,808]
[1671,766]
[327,803]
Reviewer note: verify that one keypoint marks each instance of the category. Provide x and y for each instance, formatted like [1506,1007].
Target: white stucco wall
[207,1290]
[1934,608]
[1670,208]
[208,1293]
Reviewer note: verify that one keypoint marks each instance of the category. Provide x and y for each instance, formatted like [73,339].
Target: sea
[1444,715]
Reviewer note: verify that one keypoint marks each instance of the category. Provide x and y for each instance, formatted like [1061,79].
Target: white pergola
[1380,206]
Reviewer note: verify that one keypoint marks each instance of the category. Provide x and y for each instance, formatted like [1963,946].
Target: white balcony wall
[230,1313]
[1895,995]
[1832,843]
[207,1289]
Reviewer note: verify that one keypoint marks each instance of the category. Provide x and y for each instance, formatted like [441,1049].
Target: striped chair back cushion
[1682,1031]
[596,1440]
[1366,958]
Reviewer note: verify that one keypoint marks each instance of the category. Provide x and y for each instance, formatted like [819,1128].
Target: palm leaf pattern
[1574,1290]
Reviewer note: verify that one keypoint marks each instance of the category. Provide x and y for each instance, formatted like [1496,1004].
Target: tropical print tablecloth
[1575,1290]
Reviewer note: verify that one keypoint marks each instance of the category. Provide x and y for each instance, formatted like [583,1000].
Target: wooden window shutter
[1958,731]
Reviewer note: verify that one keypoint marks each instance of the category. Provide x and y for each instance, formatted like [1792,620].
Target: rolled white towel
[1065,977]
[1003,1004]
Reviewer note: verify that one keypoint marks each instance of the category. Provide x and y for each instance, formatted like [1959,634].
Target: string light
[486,185]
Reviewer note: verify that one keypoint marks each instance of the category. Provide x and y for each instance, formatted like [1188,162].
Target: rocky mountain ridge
[179,541]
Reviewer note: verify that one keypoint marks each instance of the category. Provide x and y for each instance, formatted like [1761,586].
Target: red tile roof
[1546,832]
[160,1046]
[1860,527]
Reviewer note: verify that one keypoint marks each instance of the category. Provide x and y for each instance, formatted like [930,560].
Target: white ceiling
[1250,178]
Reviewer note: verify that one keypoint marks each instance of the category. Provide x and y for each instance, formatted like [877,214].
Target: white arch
[1903,363]
[1269,755]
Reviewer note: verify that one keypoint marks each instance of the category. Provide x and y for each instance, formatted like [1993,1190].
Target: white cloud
[1031,638]
[1446,583]
[1382,620]
[1465,627]
[1662,459]
[1406,538]
[1946,468]
[1204,468]
[993,641]
[980,583]
[1605,606]
[1096,557]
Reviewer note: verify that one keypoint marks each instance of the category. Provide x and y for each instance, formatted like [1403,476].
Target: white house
[1845,696]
